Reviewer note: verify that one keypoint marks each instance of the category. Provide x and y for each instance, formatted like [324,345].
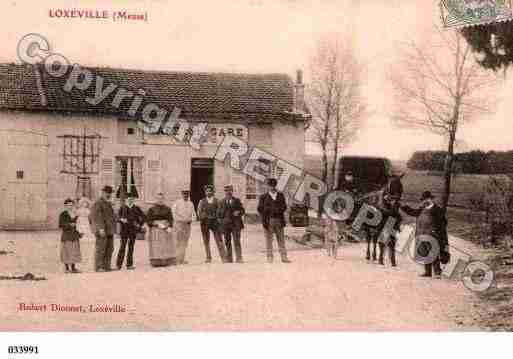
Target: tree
[334,98]
[494,42]
[438,88]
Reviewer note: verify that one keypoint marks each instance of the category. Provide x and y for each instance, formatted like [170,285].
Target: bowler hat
[208,186]
[272,182]
[426,195]
[68,201]
[185,191]
[228,187]
[107,189]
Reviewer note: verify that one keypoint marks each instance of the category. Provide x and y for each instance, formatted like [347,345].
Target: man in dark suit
[132,219]
[230,212]
[207,214]
[272,207]
[348,184]
[103,221]
[431,222]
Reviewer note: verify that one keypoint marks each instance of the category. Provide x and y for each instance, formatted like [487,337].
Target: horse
[386,200]
[378,199]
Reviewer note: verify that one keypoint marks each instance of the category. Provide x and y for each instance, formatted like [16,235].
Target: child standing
[333,229]
[331,234]
[83,211]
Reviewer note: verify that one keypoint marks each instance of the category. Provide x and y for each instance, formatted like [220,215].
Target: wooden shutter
[238,181]
[107,173]
[153,182]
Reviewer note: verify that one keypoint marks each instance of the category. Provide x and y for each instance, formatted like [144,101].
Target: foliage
[472,162]
[439,87]
[493,43]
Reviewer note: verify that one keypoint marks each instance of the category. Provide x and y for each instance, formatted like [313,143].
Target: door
[24,183]
[202,174]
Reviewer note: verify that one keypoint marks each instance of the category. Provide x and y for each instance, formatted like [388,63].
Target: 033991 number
[22,349]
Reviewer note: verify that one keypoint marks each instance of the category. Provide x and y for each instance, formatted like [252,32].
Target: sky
[258,36]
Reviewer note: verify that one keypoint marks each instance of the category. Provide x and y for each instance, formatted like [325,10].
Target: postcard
[255,165]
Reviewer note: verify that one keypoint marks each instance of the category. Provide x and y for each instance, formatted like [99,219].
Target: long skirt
[70,252]
[162,247]
[84,229]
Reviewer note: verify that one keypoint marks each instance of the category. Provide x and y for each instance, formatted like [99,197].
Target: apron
[162,246]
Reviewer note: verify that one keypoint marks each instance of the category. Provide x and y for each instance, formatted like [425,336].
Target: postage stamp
[461,13]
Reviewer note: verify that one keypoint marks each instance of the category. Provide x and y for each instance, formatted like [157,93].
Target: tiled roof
[201,96]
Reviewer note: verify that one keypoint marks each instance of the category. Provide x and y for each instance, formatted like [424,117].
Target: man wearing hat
[348,184]
[394,187]
[183,214]
[207,213]
[230,214]
[272,207]
[431,223]
[103,222]
[132,219]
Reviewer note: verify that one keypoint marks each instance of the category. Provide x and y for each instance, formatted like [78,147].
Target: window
[19,174]
[80,154]
[255,188]
[251,188]
[129,176]
[130,131]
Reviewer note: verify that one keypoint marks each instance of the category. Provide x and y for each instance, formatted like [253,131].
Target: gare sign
[213,134]
[217,132]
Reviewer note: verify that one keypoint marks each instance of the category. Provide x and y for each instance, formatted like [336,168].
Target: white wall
[283,140]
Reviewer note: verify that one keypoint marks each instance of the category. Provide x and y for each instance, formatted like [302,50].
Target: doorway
[202,174]
[24,180]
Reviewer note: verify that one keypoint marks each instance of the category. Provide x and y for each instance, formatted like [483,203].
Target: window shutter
[107,172]
[238,181]
[152,180]
[138,176]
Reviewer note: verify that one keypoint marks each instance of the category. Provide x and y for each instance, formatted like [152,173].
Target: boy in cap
[230,214]
[431,224]
[207,213]
[183,214]
[272,207]
[103,221]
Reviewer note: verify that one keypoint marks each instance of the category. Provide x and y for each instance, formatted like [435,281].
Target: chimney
[299,93]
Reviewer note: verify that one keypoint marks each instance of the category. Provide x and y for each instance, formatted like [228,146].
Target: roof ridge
[226,95]
[128,70]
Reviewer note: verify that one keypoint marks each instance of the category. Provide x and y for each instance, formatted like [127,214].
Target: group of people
[430,221]
[168,229]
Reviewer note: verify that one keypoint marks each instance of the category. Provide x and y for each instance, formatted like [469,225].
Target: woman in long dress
[70,238]
[83,225]
[161,237]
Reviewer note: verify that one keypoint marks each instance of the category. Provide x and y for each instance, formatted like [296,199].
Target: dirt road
[314,292]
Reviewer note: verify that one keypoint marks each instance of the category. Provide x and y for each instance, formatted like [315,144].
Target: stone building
[58,142]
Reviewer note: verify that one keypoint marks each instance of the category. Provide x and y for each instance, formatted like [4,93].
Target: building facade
[56,144]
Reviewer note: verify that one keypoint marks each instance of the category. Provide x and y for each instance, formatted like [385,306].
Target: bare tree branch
[335,99]
[438,87]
